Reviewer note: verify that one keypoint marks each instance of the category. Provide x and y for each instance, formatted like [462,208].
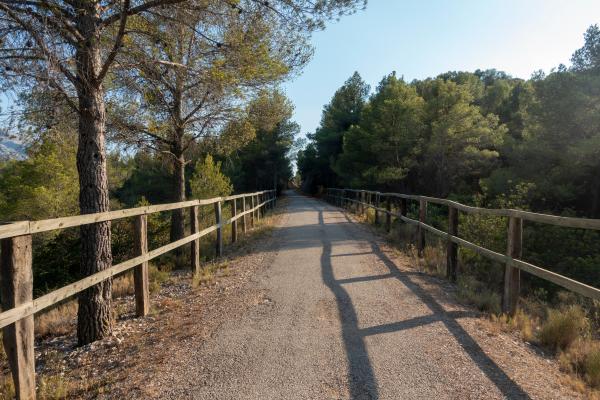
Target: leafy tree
[461,142]
[587,58]
[208,181]
[42,186]
[265,161]
[339,115]
[384,147]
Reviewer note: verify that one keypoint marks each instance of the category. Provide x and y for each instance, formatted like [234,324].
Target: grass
[474,293]
[53,387]
[562,327]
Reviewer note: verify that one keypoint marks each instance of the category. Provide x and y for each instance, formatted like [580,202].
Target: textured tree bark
[177,216]
[94,315]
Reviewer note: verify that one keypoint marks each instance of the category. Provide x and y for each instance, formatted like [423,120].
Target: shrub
[563,327]
[156,277]
[592,367]
[435,259]
[472,292]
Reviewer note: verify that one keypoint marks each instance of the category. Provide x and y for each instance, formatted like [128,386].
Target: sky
[424,38]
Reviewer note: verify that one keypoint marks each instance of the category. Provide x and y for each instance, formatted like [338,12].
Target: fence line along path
[18,305]
[360,200]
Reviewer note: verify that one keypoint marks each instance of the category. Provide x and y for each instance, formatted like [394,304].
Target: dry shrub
[157,276]
[59,320]
[52,388]
[563,327]
[7,387]
[435,259]
[472,292]
[582,358]
[521,322]
[123,285]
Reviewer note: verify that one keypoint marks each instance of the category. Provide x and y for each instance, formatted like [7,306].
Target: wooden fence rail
[16,277]
[513,264]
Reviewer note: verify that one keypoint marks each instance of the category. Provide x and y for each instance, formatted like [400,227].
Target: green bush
[563,327]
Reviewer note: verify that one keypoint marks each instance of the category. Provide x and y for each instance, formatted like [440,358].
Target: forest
[481,138]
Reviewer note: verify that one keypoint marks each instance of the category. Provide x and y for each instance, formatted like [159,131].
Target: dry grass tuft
[53,388]
[434,258]
[7,387]
[474,293]
[59,320]
[157,276]
[563,327]
[123,285]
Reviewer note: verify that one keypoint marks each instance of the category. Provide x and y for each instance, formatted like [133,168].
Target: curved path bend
[344,318]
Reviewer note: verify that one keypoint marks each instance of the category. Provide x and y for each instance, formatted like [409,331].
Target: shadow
[362,381]
[361,378]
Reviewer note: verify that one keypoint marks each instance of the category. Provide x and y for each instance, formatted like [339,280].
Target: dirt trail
[342,317]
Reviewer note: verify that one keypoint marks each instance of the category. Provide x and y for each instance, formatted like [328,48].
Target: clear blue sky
[423,38]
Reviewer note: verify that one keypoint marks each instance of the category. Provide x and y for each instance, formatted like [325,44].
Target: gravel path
[342,316]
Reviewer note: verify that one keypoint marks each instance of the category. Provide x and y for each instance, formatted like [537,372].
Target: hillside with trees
[482,138]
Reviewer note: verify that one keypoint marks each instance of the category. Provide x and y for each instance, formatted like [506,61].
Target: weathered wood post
[195,245]
[218,219]
[258,207]
[252,217]
[512,275]
[376,209]
[234,224]
[140,272]
[342,198]
[451,247]
[403,207]
[388,214]
[421,230]
[244,219]
[17,288]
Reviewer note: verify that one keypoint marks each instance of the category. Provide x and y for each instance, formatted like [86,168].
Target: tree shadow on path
[361,377]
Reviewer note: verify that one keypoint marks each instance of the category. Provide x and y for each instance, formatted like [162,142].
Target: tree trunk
[177,217]
[94,316]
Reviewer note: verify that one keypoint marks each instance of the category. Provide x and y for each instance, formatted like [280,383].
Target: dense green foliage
[249,153]
[482,138]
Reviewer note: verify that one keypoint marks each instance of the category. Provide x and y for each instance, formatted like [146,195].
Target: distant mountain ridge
[11,150]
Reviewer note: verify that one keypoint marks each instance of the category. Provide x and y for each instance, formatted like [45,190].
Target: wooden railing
[362,199]
[16,274]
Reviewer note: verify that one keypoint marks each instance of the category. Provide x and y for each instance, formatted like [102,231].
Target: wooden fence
[363,199]
[16,274]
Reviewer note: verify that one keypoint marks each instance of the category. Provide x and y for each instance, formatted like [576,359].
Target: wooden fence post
[388,215]
[512,275]
[257,205]
[244,221]
[234,224]
[376,209]
[195,245]
[420,230]
[140,272]
[252,211]
[218,220]
[452,248]
[17,288]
